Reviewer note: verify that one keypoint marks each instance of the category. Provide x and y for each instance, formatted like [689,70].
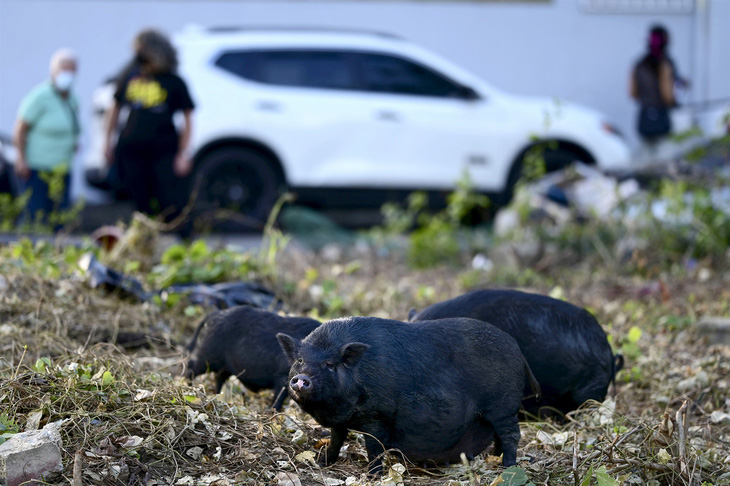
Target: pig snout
[301,383]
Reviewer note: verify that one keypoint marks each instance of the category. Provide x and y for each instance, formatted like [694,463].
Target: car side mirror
[467,93]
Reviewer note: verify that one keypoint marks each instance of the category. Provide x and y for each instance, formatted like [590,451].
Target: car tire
[555,159]
[560,158]
[236,179]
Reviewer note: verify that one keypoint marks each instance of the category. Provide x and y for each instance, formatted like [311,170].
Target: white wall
[540,48]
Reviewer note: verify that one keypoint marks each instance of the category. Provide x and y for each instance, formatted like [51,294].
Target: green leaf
[515,476]
[190,398]
[198,250]
[329,285]
[107,378]
[586,481]
[191,310]
[634,334]
[311,274]
[604,479]
[176,253]
[42,365]
[173,299]
[131,266]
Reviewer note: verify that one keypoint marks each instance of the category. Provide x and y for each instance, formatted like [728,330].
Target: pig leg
[506,439]
[377,441]
[337,438]
[375,456]
[280,395]
[220,379]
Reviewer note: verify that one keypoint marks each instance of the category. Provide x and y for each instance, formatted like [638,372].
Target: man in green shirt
[46,137]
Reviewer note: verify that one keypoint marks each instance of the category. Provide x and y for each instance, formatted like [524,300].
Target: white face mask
[64,80]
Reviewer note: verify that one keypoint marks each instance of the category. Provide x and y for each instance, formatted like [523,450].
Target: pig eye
[330,365]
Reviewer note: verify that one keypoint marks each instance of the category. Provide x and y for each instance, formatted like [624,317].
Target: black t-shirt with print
[152,102]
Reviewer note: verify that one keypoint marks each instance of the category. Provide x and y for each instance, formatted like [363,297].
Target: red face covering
[657,43]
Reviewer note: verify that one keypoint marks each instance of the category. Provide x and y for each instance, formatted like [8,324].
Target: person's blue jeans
[40,205]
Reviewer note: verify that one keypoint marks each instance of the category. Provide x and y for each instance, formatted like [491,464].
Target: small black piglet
[241,342]
[432,390]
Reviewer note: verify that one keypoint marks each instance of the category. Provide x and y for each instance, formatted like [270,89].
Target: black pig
[241,342]
[564,345]
[432,390]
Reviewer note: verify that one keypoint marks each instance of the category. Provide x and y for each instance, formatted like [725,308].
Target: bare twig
[682,425]
[609,453]
[575,459]
[78,468]
[648,465]
[627,435]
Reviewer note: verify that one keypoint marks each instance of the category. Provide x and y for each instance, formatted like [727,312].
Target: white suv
[349,118]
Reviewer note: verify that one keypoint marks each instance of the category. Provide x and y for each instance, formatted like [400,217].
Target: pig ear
[411,314]
[289,345]
[352,352]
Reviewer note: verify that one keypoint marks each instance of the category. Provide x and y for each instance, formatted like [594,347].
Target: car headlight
[611,129]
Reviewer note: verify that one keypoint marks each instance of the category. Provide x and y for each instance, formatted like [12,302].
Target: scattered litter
[99,275]
[221,295]
[581,192]
[225,295]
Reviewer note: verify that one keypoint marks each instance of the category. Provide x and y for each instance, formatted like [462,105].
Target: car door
[304,103]
[426,129]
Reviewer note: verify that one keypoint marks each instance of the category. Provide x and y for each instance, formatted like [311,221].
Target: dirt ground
[109,367]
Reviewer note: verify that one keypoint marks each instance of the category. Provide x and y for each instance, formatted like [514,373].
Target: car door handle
[268,106]
[387,115]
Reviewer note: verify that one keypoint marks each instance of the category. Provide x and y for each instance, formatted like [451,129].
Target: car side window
[388,74]
[309,69]
[241,63]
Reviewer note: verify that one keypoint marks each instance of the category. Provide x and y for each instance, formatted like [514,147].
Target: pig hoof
[375,471]
[324,461]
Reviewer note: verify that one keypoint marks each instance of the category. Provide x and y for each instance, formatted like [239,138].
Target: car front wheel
[236,179]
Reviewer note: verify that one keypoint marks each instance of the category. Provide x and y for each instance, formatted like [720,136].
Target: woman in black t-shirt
[151,155]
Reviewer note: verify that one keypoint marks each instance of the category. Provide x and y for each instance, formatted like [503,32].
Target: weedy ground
[108,367]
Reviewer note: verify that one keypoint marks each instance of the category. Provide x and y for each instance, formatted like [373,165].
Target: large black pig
[431,390]
[241,342]
[566,348]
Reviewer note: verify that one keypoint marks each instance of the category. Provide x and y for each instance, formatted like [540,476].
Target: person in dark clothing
[652,85]
[152,157]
